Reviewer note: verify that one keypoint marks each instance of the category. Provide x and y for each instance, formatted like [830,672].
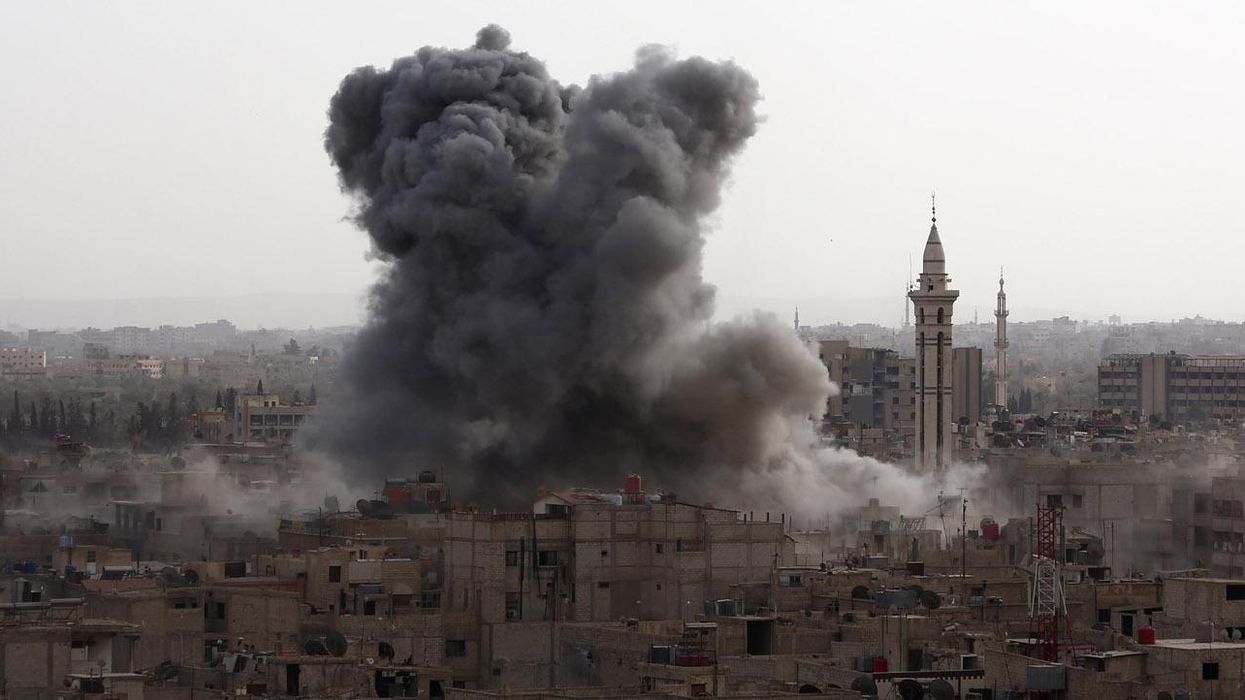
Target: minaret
[1000,346]
[932,302]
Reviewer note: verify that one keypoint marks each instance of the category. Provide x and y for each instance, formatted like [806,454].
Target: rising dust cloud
[542,319]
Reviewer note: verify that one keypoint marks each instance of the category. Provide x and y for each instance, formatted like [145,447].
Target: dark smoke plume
[542,318]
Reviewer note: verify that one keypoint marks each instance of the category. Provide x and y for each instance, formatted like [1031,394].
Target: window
[90,556]
[1104,614]
[1054,500]
[362,554]
[430,599]
[1077,500]
[547,557]
[1236,591]
[335,574]
[1210,671]
[659,548]
[604,553]
[512,557]
[1201,503]
[603,584]
[455,648]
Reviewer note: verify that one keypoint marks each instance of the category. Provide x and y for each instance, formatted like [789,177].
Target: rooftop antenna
[906,310]
[933,210]
[797,318]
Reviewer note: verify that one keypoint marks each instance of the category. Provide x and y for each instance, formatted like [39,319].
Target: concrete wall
[33,660]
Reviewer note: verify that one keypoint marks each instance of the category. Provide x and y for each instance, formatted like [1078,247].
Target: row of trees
[157,422]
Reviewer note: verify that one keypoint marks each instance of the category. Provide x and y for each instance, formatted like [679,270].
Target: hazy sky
[1095,149]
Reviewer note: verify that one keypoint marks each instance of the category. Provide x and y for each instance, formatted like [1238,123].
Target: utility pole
[964,545]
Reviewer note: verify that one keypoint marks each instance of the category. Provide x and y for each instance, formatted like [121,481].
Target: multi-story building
[23,362]
[125,366]
[263,417]
[876,386]
[966,385]
[1174,387]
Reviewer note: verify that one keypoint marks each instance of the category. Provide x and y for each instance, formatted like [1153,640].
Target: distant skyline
[165,151]
[276,310]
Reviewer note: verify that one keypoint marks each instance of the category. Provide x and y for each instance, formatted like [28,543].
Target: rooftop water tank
[632,484]
[989,529]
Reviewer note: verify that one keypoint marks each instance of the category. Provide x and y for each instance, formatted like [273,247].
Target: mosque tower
[932,302]
[1000,346]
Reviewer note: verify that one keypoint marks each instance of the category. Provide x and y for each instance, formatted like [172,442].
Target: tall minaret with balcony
[932,302]
[1000,346]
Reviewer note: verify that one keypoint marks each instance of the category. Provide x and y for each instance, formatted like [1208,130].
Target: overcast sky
[1097,150]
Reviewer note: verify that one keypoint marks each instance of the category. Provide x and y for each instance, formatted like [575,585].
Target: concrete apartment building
[23,363]
[1174,387]
[966,385]
[125,366]
[876,386]
[264,418]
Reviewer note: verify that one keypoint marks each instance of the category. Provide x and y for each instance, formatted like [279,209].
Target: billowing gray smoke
[542,318]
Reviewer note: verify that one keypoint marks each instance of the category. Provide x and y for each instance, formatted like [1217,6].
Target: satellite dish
[940,689]
[192,576]
[371,661]
[861,593]
[1236,633]
[911,690]
[931,600]
[865,685]
[314,647]
[335,643]
[1182,695]
[385,649]
[1164,695]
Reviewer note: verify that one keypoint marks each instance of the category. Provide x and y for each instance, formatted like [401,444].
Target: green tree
[311,396]
[15,418]
[259,388]
[220,403]
[291,348]
[172,425]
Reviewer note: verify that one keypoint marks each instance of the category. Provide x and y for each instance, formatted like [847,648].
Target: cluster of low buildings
[195,577]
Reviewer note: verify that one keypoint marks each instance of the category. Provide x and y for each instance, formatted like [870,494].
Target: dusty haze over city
[169,156]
